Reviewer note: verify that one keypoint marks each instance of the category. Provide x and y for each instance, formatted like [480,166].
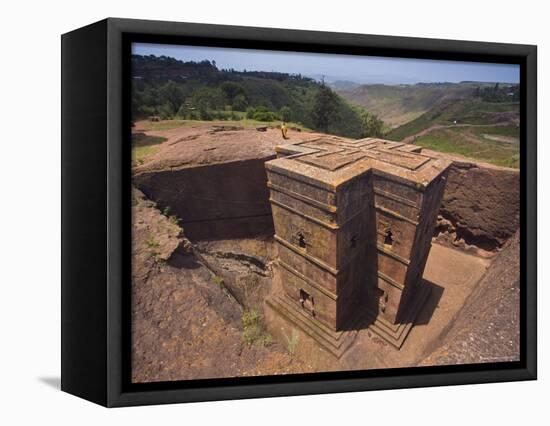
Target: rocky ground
[185,324]
[203,144]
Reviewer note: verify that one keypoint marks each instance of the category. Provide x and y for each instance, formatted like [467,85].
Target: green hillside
[172,89]
[486,131]
[498,145]
[400,104]
[471,111]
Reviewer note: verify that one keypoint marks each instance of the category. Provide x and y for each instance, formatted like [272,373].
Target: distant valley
[399,104]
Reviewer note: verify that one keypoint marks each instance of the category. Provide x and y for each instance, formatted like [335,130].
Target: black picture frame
[96,212]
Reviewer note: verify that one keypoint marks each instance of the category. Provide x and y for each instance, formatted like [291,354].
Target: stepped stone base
[335,342]
[395,334]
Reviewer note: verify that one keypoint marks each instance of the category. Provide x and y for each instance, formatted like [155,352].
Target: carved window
[307,302]
[301,239]
[388,238]
[382,299]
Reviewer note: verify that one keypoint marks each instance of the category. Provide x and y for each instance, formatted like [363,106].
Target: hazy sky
[360,69]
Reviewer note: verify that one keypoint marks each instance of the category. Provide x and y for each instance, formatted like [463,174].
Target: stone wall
[215,201]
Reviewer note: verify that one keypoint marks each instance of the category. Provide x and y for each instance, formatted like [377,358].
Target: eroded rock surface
[185,325]
[154,236]
[480,206]
[244,265]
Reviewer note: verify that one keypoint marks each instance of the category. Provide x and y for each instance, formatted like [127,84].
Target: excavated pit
[213,185]
[216,201]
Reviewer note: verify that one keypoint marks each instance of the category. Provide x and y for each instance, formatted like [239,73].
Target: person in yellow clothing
[284,130]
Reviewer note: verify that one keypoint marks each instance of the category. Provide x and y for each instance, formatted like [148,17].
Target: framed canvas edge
[118,396]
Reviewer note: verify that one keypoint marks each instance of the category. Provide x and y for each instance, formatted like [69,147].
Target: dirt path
[500,138]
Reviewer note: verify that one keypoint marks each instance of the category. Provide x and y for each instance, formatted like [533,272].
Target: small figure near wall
[284,130]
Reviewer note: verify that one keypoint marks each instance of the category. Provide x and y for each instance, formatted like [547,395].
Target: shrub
[166,112]
[240,102]
[152,243]
[285,114]
[204,113]
[218,280]
[146,111]
[264,116]
[182,112]
[253,328]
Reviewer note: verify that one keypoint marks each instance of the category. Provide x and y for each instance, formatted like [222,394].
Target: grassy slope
[470,111]
[470,142]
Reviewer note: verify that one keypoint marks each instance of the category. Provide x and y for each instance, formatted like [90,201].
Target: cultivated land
[492,144]
[485,131]
[198,302]
[466,112]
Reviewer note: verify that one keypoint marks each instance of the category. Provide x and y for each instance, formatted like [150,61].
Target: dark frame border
[118,390]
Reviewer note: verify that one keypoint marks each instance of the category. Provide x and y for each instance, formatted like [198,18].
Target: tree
[166,111]
[262,114]
[324,107]
[171,96]
[204,112]
[371,125]
[202,100]
[250,111]
[239,102]
[231,90]
[477,92]
[285,113]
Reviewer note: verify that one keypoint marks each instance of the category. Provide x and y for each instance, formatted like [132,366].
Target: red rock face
[481,204]
[217,201]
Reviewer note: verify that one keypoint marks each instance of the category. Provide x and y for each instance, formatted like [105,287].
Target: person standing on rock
[284,130]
